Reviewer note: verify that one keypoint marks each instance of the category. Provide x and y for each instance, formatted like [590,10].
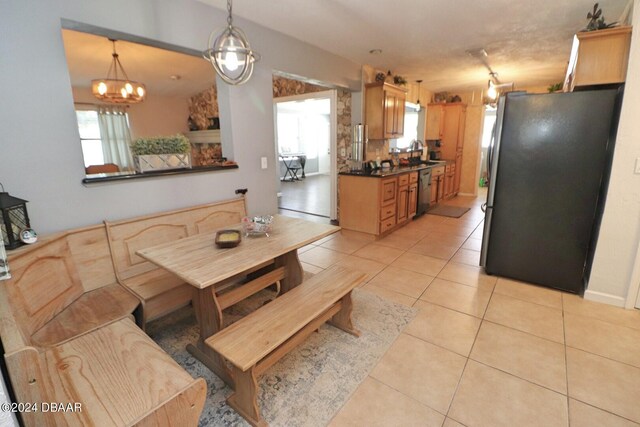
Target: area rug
[450,211]
[309,385]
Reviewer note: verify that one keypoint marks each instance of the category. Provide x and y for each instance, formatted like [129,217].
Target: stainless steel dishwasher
[424,191]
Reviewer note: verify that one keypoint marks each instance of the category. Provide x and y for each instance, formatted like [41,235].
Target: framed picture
[4,265]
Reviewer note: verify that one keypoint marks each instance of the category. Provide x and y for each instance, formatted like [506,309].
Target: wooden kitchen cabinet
[437,184]
[384,110]
[435,121]
[599,57]
[377,205]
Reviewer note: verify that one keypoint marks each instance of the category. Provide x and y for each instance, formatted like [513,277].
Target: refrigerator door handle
[485,235]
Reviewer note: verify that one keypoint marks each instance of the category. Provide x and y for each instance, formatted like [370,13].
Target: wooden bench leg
[210,320]
[244,400]
[293,270]
[342,319]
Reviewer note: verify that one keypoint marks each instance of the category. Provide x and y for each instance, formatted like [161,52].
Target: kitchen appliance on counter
[549,165]
[358,145]
[434,149]
[415,152]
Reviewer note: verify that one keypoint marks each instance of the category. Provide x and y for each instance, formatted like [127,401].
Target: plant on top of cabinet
[596,20]
[161,153]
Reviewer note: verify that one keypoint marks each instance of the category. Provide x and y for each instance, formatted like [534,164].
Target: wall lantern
[14,219]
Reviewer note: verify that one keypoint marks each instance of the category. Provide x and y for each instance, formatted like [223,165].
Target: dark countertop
[381,173]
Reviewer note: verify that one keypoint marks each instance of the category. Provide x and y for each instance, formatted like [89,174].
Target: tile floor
[483,350]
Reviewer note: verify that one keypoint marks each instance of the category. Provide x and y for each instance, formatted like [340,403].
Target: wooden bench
[68,337]
[160,291]
[257,341]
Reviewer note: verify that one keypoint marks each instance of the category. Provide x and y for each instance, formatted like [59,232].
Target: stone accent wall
[201,107]
[204,105]
[289,87]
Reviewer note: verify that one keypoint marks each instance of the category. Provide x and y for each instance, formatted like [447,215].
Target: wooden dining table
[206,267]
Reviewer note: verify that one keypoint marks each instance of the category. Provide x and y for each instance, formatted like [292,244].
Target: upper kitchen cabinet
[452,138]
[435,121]
[599,57]
[384,110]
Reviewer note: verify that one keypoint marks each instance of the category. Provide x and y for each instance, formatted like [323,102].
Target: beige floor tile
[523,355]
[488,397]
[456,296]
[527,292]
[419,263]
[458,229]
[376,404]
[608,313]
[311,268]
[421,370]
[411,231]
[446,238]
[472,244]
[306,248]
[477,234]
[321,257]
[345,244]
[433,249]
[539,320]
[390,295]
[379,253]
[450,329]
[606,339]
[467,256]
[402,281]
[326,239]
[371,268]
[604,383]
[451,423]
[583,415]
[468,275]
[398,241]
[357,235]
[434,219]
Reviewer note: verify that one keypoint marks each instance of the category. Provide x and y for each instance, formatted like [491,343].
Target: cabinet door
[450,131]
[440,188]
[458,173]
[399,127]
[461,124]
[434,120]
[401,209]
[434,190]
[388,191]
[413,200]
[389,114]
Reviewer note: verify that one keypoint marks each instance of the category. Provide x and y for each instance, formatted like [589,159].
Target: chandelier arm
[124,73]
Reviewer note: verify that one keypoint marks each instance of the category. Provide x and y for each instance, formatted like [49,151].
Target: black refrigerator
[549,164]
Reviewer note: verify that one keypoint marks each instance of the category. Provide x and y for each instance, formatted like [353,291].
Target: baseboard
[604,298]
[467,194]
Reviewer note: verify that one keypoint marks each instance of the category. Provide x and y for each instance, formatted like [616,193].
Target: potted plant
[161,153]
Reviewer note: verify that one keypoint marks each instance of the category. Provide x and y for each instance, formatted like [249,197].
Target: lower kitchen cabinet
[377,205]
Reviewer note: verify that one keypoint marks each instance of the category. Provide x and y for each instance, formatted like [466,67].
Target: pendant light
[419,106]
[230,53]
[116,87]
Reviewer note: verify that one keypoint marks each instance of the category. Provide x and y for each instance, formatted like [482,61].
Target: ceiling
[89,57]
[528,42]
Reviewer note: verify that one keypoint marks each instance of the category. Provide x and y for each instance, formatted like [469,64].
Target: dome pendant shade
[230,54]
[116,87]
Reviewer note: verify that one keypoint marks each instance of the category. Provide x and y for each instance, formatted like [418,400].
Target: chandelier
[116,87]
[230,53]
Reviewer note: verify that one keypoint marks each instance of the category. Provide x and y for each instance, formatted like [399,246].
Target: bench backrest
[128,236]
[51,274]
[44,282]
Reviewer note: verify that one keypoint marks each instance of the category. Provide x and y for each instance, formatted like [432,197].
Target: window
[410,126]
[90,137]
[489,123]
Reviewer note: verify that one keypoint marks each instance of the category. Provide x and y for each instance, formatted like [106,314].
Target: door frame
[332,94]
[633,296]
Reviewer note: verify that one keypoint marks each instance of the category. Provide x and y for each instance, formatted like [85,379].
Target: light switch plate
[637,169]
[343,152]
[263,162]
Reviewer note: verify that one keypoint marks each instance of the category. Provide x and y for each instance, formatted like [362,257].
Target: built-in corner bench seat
[68,322]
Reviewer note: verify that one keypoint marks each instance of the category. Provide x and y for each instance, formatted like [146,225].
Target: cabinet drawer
[437,171]
[403,180]
[447,169]
[388,190]
[413,178]
[387,224]
[387,211]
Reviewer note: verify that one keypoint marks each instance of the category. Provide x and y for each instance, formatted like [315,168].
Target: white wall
[620,232]
[40,158]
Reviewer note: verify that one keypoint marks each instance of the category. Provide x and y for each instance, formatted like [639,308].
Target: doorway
[487,134]
[306,133]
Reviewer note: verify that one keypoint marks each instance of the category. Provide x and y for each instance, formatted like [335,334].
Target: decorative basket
[257,225]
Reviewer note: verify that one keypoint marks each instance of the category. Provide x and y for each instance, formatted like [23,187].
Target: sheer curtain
[115,136]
